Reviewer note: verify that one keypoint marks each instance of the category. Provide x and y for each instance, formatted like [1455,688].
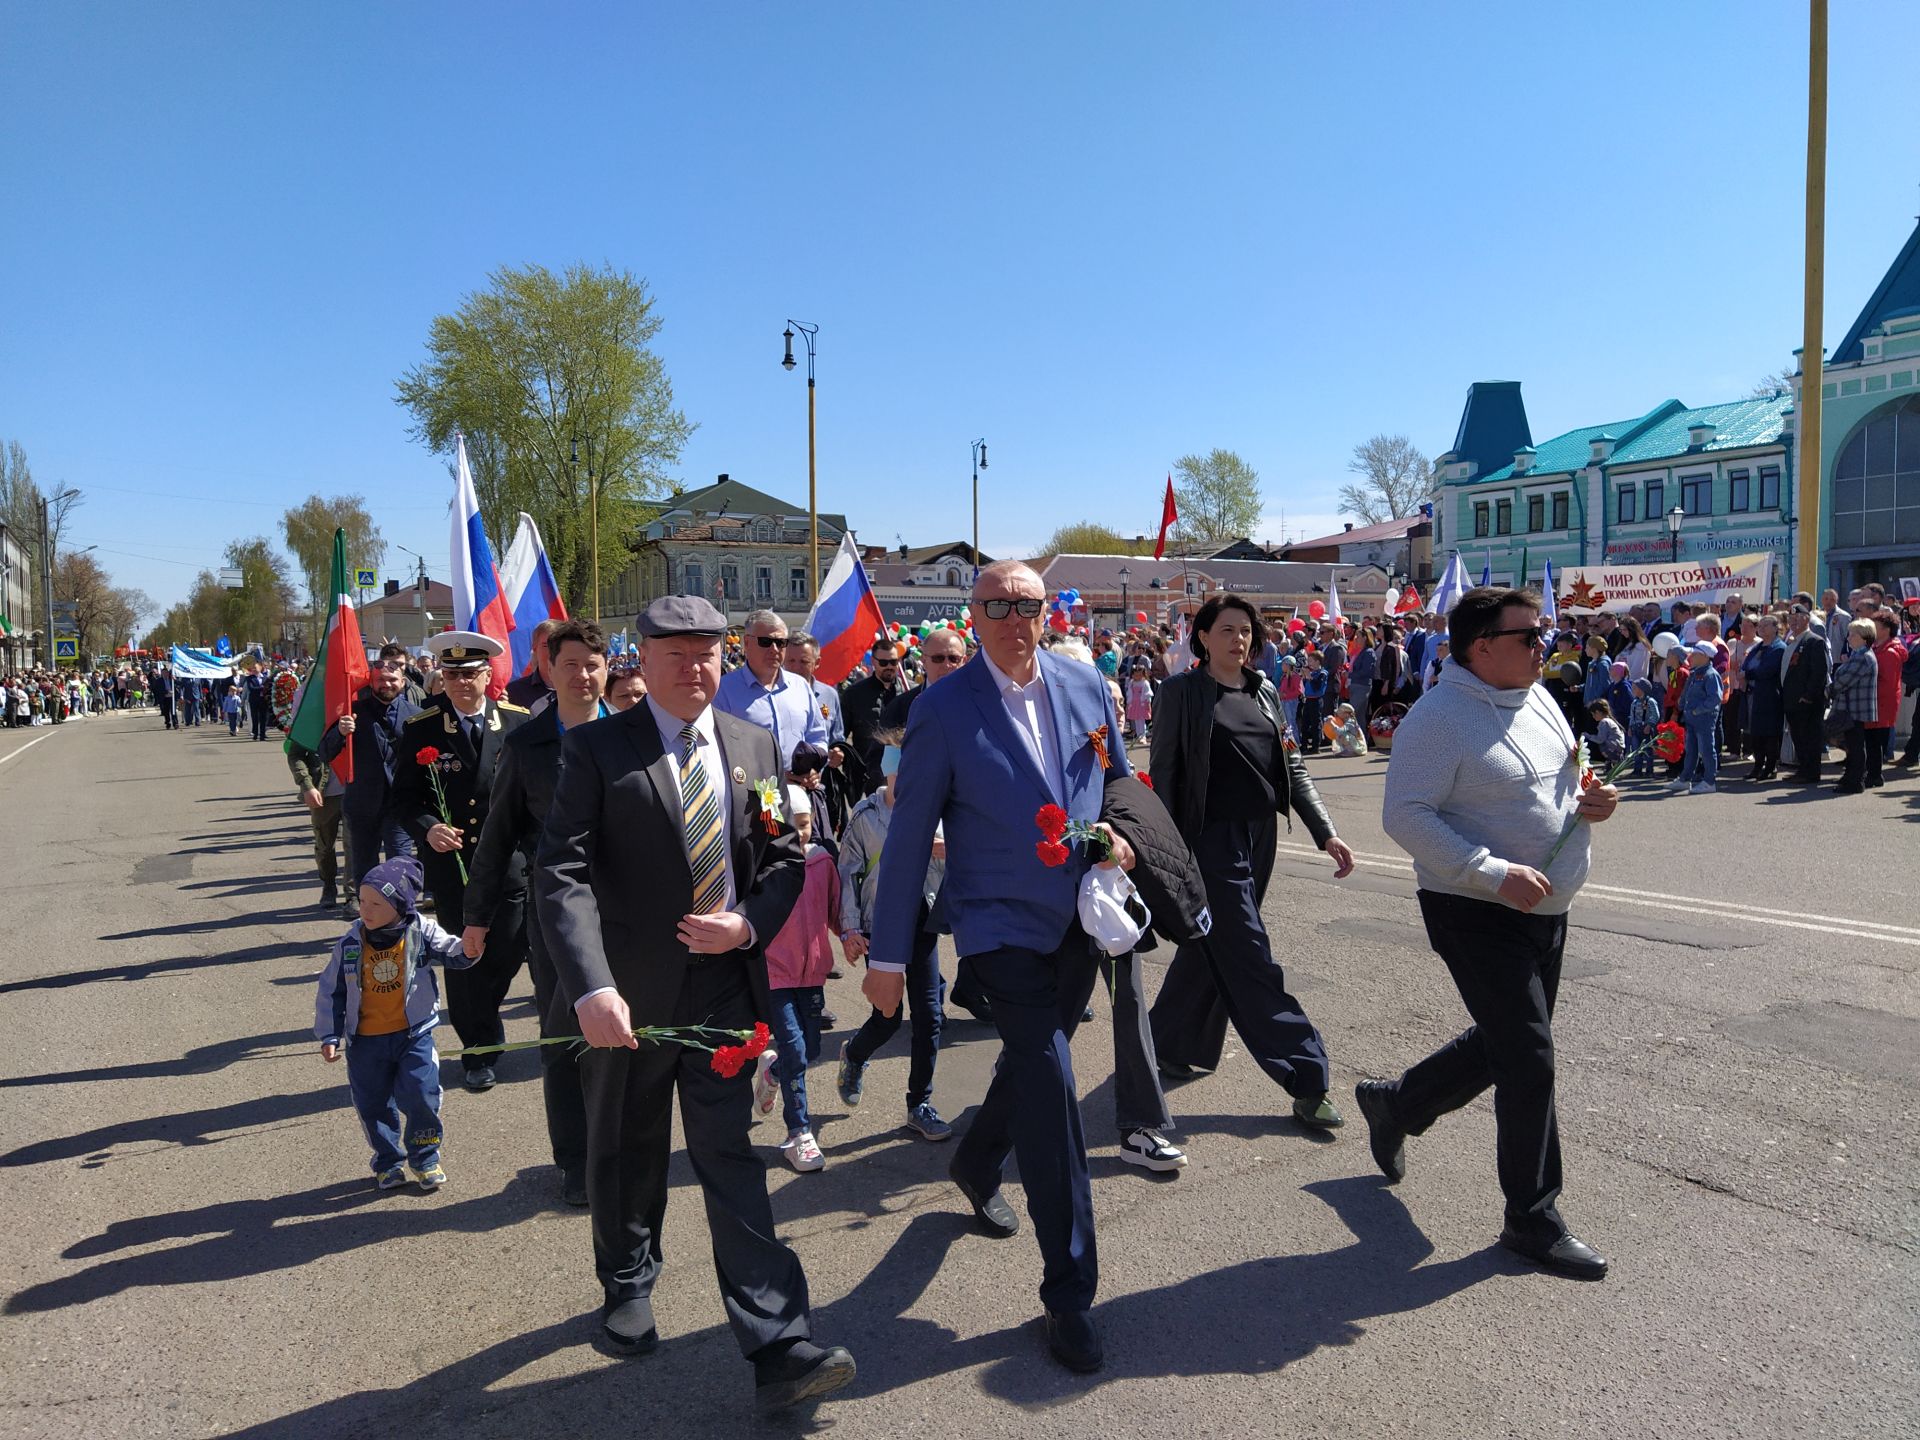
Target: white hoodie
[1483,778]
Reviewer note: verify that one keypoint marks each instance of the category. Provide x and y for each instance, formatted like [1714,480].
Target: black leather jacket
[1183,754]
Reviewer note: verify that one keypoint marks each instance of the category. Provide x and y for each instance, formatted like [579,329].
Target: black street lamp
[1676,517]
[1125,576]
[979,464]
[813,492]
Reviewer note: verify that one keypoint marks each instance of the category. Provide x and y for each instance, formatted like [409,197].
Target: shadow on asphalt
[255,1237]
[202,1060]
[146,969]
[1284,1308]
[188,1127]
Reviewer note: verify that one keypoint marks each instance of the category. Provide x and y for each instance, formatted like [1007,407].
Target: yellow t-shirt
[383,996]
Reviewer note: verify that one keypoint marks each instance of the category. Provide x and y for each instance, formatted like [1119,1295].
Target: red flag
[1167,516]
[1408,602]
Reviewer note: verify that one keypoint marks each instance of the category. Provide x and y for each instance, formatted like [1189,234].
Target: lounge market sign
[1590,588]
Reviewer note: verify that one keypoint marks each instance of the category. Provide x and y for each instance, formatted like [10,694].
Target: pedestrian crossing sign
[66,647]
[365,579]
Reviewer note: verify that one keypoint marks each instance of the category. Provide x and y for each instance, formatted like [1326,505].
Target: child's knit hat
[399,879]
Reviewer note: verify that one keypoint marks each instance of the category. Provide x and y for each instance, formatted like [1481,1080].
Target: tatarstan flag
[340,667]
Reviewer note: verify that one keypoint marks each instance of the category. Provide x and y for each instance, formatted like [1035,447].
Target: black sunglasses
[944,659]
[771,642]
[1000,609]
[1533,633]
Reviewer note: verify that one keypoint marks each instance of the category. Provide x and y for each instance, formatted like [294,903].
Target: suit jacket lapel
[993,711]
[1070,737]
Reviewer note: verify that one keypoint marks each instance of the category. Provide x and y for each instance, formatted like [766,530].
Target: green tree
[309,528]
[1088,537]
[553,380]
[1394,478]
[1218,496]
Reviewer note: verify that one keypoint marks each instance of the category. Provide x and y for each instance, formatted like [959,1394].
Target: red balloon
[1317,610]
[1294,627]
[1141,616]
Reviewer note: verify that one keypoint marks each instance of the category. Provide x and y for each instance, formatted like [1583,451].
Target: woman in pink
[1889,654]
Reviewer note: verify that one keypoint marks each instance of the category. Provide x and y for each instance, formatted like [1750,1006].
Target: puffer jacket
[1164,872]
[1183,754]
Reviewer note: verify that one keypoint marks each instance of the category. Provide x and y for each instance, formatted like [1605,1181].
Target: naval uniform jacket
[466,775]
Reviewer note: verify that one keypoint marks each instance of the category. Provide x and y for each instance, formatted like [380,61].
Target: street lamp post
[979,464]
[1125,576]
[593,514]
[1676,517]
[813,491]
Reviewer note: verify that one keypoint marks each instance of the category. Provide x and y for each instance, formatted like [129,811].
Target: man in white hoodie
[1484,778]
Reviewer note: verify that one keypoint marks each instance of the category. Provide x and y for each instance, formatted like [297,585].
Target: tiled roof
[1736,424]
[743,500]
[1573,450]
[1362,534]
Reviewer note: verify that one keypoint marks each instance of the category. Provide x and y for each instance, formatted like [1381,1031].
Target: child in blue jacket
[378,998]
[1700,712]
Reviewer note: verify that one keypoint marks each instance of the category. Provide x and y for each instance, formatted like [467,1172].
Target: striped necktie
[706,837]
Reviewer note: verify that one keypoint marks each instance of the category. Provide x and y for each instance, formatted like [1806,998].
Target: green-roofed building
[1602,494]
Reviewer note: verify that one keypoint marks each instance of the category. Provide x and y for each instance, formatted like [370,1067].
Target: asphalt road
[193,1247]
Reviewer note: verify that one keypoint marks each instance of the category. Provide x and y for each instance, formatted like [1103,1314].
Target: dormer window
[1700,434]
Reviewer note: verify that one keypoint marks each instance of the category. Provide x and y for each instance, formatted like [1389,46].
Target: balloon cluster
[910,637]
[1060,612]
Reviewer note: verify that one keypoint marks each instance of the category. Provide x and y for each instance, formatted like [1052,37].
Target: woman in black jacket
[1225,767]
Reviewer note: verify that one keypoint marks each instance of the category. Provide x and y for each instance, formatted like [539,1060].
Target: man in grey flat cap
[658,880]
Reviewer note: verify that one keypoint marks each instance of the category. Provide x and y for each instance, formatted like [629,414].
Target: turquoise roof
[1737,424]
[1659,433]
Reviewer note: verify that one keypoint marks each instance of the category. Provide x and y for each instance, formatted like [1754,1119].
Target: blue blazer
[964,766]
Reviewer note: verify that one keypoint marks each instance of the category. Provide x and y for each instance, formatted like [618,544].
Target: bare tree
[1771,385]
[1394,479]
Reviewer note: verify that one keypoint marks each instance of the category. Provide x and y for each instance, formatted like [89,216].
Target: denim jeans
[1701,763]
[391,1077]
[796,1037]
[926,998]
[1291,709]
[1637,737]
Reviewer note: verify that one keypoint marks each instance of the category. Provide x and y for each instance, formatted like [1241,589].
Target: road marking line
[24,748]
[1821,924]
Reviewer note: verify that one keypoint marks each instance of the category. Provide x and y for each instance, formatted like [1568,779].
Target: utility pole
[1812,353]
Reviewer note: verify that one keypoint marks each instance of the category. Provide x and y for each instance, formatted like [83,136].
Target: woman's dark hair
[1478,611]
[584,632]
[1630,627]
[1210,614]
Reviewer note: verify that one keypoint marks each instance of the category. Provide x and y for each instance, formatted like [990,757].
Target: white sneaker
[1703,788]
[802,1153]
[766,1089]
[1151,1150]
[1676,787]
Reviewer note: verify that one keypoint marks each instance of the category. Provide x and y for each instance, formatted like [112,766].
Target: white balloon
[1664,643]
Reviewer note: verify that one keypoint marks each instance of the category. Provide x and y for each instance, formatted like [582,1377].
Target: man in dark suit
[468,733]
[1803,693]
[659,880]
[575,658]
[1015,730]
[373,727]
[863,702]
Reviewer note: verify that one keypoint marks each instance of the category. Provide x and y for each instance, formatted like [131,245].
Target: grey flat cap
[681,615]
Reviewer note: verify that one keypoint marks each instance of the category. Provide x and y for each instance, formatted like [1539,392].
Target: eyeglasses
[944,659]
[1000,609]
[1535,636]
[885,664]
[771,642]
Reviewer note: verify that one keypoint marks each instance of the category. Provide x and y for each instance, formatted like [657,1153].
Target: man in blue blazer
[1015,730]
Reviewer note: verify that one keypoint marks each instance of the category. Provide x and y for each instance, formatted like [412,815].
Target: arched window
[763,529]
[1876,480]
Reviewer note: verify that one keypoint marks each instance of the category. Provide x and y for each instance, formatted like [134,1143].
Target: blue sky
[1101,236]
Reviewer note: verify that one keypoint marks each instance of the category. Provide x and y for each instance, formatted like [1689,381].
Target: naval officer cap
[681,615]
[464,650]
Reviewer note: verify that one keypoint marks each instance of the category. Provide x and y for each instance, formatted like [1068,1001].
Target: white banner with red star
[1586,589]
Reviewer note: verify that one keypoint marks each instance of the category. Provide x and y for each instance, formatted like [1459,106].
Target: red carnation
[762,1037]
[1052,821]
[1051,852]
[1145,778]
[426,754]
[729,1060]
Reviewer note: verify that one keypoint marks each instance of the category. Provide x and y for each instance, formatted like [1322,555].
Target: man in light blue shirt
[764,694]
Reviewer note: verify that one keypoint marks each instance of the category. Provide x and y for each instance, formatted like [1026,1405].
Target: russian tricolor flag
[845,617]
[532,593]
[479,602]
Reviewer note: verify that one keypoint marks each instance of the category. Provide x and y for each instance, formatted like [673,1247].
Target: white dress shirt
[1032,718]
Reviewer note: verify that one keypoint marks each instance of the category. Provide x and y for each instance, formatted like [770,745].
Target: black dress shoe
[976,1006]
[479,1078]
[629,1326]
[1178,1070]
[573,1188]
[996,1217]
[1569,1255]
[1074,1342]
[800,1371]
[1385,1138]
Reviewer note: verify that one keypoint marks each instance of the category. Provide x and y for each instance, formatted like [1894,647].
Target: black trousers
[474,995]
[261,714]
[1853,772]
[1506,966]
[1804,724]
[559,1064]
[1139,1102]
[1032,1109]
[1766,754]
[629,1107]
[1232,975]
